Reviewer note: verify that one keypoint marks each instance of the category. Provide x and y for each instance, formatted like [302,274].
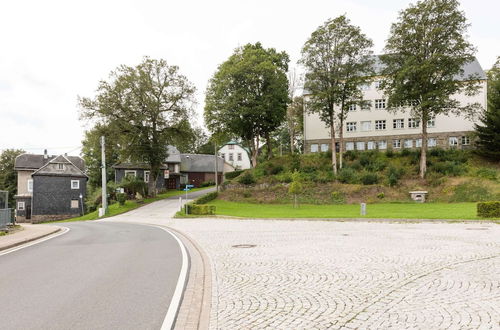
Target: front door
[28,212]
[171,183]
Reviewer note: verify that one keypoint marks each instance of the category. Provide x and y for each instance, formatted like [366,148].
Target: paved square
[330,275]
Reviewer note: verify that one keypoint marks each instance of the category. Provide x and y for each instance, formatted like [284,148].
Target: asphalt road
[99,275]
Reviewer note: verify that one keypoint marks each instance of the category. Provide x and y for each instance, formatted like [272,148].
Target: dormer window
[60,167]
[231,147]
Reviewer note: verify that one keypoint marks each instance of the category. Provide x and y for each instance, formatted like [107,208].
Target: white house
[373,127]
[236,155]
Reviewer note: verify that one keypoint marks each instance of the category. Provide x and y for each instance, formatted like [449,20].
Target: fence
[5,218]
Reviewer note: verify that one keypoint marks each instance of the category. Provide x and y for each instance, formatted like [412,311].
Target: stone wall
[50,217]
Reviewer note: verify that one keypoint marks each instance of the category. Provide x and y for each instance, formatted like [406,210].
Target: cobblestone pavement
[350,275]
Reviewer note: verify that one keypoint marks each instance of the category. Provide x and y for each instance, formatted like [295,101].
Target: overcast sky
[53,51]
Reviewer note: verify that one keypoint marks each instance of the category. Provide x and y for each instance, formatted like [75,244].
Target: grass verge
[116,208]
[379,210]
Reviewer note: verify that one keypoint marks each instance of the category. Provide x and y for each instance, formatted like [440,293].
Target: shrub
[394,174]
[435,179]
[338,197]
[134,186]
[207,184]
[381,195]
[295,162]
[488,209]
[448,167]
[350,155]
[369,178]
[233,174]
[470,192]
[389,153]
[206,198]
[247,194]
[324,177]
[285,177]
[347,175]
[246,178]
[487,173]
[121,198]
[200,209]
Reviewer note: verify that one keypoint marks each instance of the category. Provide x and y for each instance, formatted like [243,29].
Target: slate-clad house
[198,168]
[49,187]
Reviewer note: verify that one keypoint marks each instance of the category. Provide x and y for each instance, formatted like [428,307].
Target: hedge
[198,209]
[206,198]
[232,175]
[488,209]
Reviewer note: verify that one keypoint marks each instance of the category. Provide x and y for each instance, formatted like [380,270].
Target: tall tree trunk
[153,176]
[334,150]
[254,150]
[292,139]
[269,147]
[423,149]
[341,141]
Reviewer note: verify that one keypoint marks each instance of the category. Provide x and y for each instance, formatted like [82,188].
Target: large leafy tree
[337,61]
[488,132]
[8,177]
[426,52]
[145,106]
[247,96]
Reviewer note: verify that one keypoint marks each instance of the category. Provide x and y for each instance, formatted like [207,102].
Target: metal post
[216,168]
[104,181]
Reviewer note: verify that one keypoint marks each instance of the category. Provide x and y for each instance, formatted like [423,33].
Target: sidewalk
[27,234]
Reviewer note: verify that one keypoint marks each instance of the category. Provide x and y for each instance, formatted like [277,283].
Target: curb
[57,229]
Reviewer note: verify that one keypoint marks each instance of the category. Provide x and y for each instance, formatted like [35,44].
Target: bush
[369,178]
[295,162]
[207,184]
[381,195]
[394,174]
[435,179]
[285,177]
[200,209]
[338,197]
[470,192]
[121,198]
[488,209]
[133,186]
[347,175]
[448,167]
[232,175]
[206,198]
[247,194]
[273,169]
[487,173]
[389,153]
[246,178]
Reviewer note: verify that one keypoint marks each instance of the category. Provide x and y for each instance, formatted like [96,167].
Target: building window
[324,147]
[453,141]
[30,185]
[20,206]
[366,125]
[223,155]
[380,104]
[60,167]
[351,126]
[382,145]
[431,122]
[378,84]
[370,145]
[239,157]
[231,147]
[379,124]
[465,140]
[146,176]
[413,123]
[75,184]
[231,158]
[349,146]
[352,107]
[366,105]
[398,123]
[74,204]
[314,147]
[431,142]
[418,143]
[396,144]
[360,145]
[130,174]
[408,143]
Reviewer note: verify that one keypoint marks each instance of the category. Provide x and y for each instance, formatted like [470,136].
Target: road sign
[189,186]
[186,189]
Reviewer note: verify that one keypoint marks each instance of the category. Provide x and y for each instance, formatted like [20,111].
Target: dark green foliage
[394,174]
[272,169]
[451,168]
[348,175]
[389,153]
[121,198]
[206,198]
[232,175]
[133,185]
[200,209]
[487,173]
[338,197]
[488,209]
[247,178]
[285,177]
[8,176]
[351,155]
[435,179]
[295,162]
[471,192]
[207,184]
[369,178]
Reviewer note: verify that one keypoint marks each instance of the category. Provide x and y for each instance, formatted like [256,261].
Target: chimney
[45,156]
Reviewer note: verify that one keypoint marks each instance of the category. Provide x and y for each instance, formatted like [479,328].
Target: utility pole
[216,168]
[103,167]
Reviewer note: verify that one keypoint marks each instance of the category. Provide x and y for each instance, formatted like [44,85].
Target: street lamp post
[81,202]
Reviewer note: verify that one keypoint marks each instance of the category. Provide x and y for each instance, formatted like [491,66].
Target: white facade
[235,155]
[374,127]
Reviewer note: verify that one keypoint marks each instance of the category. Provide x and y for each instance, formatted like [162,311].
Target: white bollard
[363,208]
[180,203]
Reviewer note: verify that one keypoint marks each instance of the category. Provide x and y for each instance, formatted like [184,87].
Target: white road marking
[63,231]
[175,303]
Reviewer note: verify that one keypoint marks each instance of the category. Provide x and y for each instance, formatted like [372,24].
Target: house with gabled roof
[49,187]
[236,155]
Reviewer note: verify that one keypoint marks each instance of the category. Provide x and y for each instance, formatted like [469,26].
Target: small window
[465,140]
[20,206]
[74,204]
[382,145]
[380,124]
[231,147]
[370,145]
[431,123]
[146,176]
[380,104]
[431,142]
[130,174]
[240,157]
[396,144]
[324,147]
[351,126]
[366,125]
[352,107]
[223,155]
[398,123]
[75,184]
[408,143]
[314,147]
[30,185]
[60,167]
[453,141]
[231,158]
[413,123]
[349,146]
[418,143]
[360,145]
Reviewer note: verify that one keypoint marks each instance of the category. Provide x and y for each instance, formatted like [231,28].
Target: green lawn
[388,210]
[116,208]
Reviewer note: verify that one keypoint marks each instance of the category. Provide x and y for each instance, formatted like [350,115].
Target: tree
[488,134]
[337,61]
[295,188]
[247,96]
[145,106]
[295,109]
[8,176]
[426,51]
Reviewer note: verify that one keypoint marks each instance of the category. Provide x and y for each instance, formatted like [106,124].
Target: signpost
[186,189]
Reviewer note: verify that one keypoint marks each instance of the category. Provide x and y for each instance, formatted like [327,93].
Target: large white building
[373,127]
[236,155]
